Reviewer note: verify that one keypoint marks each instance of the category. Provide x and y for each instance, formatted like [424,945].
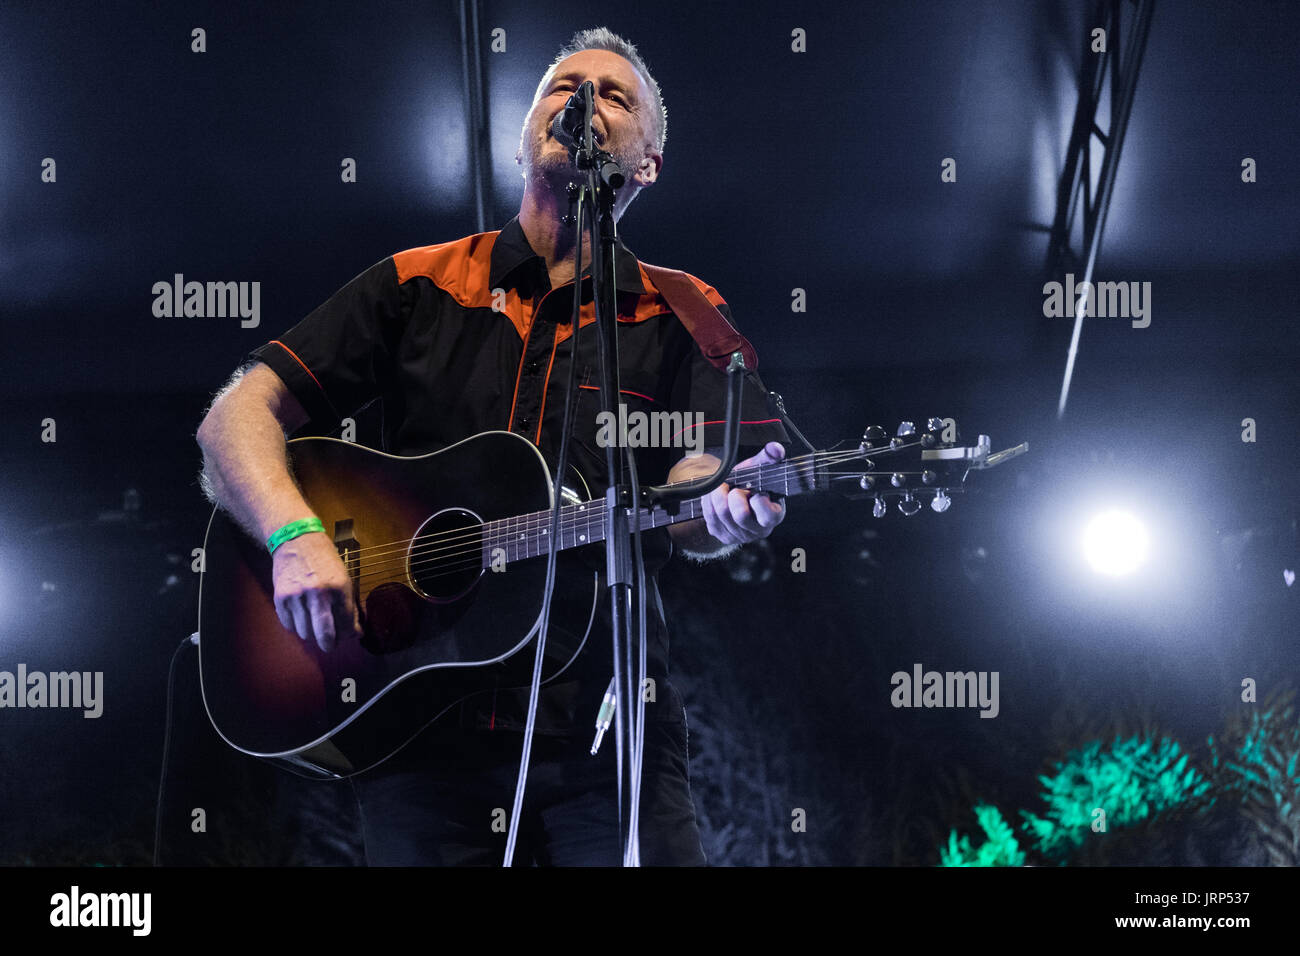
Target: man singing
[475,335]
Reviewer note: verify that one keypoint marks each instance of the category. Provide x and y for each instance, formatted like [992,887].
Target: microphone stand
[604,178]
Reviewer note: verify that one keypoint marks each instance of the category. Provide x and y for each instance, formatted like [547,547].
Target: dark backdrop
[817,171]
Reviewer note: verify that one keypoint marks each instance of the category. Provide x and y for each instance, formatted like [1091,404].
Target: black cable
[561,466]
[777,403]
[167,737]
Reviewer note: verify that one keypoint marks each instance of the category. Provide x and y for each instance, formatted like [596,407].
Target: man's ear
[647,170]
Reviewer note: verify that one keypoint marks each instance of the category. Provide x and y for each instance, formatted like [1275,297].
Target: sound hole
[446,556]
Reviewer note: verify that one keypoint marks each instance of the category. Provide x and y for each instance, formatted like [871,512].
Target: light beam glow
[1115,543]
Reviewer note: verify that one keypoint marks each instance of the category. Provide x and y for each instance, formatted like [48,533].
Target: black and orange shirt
[468,336]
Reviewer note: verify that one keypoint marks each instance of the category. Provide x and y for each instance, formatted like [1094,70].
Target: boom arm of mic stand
[680,491]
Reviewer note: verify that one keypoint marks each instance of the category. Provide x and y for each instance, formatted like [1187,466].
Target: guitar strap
[716,337]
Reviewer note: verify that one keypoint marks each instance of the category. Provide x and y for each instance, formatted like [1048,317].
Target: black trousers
[444,800]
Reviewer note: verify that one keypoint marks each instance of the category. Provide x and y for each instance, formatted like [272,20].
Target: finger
[729,531]
[738,504]
[710,514]
[301,617]
[284,614]
[717,519]
[346,623]
[773,451]
[322,619]
[767,512]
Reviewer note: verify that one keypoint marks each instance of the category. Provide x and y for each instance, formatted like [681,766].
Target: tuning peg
[909,505]
[872,436]
[879,509]
[928,477]
[905,429]
[934,424]
[940,502]
[897,480]
[867,482]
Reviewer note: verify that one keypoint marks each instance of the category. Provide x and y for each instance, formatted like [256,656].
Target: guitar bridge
[349,549]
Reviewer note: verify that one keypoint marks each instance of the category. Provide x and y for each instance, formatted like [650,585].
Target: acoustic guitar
[446,556]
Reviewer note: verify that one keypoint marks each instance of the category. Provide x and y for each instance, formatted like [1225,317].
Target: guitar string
[476,563]
[593,524]
[509,530]
[577,515]
[544,515]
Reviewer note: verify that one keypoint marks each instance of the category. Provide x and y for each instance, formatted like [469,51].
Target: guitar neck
[528,535]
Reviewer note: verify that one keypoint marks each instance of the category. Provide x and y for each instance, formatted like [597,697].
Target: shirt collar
[512,250]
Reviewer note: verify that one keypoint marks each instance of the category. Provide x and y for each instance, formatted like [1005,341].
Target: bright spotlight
[1115,543]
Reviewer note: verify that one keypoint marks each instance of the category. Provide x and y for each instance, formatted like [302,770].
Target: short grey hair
[603,38]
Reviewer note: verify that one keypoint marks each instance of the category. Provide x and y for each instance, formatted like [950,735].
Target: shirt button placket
[531,384]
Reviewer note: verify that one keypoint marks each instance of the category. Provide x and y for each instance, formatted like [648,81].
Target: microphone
[567,125]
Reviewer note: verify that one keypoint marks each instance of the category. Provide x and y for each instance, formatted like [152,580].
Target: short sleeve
[700,391]
[341,356]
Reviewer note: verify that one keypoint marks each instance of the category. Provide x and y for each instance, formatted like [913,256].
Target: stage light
[1115,543]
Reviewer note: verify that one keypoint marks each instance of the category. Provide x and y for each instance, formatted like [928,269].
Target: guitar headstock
[912,467]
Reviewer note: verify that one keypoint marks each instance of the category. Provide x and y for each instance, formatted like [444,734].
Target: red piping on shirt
[510,422]
[300,362]
[625,391]
[547,384]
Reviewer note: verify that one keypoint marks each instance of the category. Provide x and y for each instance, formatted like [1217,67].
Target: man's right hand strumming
[313,591]
[246,473]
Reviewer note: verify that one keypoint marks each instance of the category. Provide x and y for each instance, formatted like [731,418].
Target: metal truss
[1074,192]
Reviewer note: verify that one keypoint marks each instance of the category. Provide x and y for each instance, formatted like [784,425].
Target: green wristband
[293,530]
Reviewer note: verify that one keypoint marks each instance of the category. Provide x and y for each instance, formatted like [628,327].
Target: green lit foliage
[1000,849]
[1134,781]
[1258,761]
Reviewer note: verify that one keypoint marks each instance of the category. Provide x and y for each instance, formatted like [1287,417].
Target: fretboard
[529,535]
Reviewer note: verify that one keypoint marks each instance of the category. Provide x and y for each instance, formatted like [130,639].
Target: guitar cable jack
[604,716]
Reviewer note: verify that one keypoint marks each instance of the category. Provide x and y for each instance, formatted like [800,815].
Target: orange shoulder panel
[459,268]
